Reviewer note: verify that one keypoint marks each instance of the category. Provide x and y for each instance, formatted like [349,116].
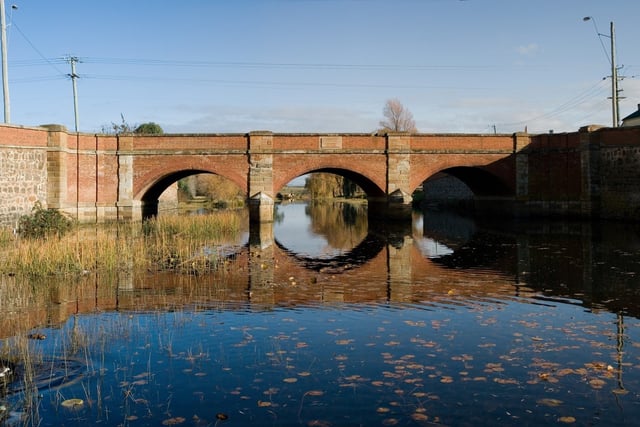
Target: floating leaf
[550,402]
[567,420]
[173,421]
[72,403]
[290,380]
[417,416]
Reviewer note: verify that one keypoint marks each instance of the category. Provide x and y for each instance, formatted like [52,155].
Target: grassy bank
[181,243]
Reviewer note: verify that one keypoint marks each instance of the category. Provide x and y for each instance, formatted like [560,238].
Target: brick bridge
[592,172]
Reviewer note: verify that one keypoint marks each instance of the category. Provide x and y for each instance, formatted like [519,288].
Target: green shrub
[43,223]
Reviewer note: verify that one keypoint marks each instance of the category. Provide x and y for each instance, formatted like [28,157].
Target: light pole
[5,72]
[615,105]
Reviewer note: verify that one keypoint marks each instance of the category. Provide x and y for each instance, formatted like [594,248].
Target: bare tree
[397,118]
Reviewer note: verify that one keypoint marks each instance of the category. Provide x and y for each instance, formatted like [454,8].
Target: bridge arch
[480,182]
[148,184]
[371,188]
[150,194]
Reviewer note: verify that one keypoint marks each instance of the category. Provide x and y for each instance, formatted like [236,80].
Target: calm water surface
[329,320]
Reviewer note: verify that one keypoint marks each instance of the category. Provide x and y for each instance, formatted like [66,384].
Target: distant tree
[397,118]
[125,127]
[327,185]
[118,128]
[149,128]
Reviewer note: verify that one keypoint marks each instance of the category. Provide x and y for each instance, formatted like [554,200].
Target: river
[327,319]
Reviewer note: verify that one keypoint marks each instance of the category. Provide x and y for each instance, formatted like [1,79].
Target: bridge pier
[389,209]
[398,199]
[261,263]
[261,208]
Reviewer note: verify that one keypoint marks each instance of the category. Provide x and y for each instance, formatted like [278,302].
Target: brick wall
[23,172]
[618,153]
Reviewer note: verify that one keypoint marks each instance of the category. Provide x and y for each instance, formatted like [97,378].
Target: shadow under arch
[481,182]
[366,250]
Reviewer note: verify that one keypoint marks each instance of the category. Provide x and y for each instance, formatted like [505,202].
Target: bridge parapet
[593,172]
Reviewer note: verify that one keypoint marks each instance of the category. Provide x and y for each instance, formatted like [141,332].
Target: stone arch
[371,188]
[148,184]
[149,195]
[484,174]
[480,181]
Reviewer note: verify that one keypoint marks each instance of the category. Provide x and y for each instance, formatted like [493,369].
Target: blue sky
[470,66]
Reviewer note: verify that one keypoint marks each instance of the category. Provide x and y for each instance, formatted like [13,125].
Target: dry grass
[181,243]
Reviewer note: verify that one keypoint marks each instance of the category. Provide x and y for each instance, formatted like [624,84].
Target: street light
[5,73]
[614,69]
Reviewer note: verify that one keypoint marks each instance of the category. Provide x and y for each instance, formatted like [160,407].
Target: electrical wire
[596,90]
[36,49]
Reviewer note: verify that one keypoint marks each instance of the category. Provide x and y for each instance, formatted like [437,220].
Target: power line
[47,61]
[579,99]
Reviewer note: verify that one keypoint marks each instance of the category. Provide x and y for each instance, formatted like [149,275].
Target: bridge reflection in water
[440,260]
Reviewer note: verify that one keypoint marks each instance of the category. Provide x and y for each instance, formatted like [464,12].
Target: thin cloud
[528,50]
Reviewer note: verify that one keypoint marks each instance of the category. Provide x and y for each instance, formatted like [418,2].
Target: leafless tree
[397,118]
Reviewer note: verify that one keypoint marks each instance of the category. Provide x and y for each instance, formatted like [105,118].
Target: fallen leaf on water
[505,380]
[290,380]
[72,403]
[549,402]
[565,371]
[173,421]
[417,416]
[263,404]
[567,420]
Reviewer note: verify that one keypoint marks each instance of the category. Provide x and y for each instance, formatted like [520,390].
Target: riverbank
[176,242]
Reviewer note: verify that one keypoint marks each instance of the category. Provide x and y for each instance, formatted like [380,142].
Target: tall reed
[184,243]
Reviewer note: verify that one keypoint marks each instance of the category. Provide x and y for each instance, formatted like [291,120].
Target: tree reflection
[342,224]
